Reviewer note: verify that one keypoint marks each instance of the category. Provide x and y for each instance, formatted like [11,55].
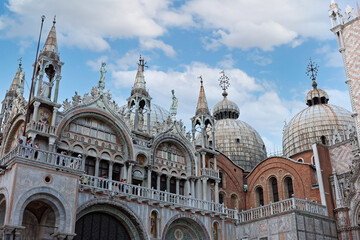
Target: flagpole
[27,116]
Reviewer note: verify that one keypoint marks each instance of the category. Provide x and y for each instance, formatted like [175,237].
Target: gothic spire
[140,84]
[18,81]
[202,106]
[51,42]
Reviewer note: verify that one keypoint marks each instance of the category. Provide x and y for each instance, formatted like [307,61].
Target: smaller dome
[226,109]
[316,96]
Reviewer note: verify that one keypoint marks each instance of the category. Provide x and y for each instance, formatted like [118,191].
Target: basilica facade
[88,168]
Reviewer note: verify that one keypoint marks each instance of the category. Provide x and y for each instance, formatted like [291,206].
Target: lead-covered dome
[235,138]
[319,122]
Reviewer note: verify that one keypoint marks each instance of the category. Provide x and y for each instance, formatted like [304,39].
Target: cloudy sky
[262,45]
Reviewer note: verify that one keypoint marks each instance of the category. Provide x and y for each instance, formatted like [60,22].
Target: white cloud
[259,59]
[149,44]
[227,62]
[332,57]
[262,24]
[95,65]
[236,24]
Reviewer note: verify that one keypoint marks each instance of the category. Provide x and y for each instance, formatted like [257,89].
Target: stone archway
[119,219]
[183,227]
[39,220]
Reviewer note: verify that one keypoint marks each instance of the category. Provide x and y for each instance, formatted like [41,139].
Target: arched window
[103,168]
[173,185]
[274,193]
[221,179]
[163,183]
[323,139]
[90,165]
[182,187]
[289,190]
[221,198]
[259,196]
[116,172]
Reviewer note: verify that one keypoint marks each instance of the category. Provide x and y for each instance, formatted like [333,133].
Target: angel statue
[174,105]
[102,76]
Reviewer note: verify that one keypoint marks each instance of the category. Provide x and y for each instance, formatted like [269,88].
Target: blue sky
[262,45]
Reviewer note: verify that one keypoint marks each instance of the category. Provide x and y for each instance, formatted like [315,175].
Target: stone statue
[102,76]
[76,99]
[66,104]
[174,105]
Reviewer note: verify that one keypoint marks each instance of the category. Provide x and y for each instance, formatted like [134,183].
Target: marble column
[167,183]
[192,188]
[216,191]
[204,181]
[97,163]
[36,111]
[53,120]
[129,173]
[149,178]
[177,186]
[111,164]
[56,94]
[158,181]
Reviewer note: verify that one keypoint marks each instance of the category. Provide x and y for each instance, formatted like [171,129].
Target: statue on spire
[102,76]
[311,72]
[174,105]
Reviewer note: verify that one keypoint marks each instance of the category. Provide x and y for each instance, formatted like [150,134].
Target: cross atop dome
[311,71]
[224,83]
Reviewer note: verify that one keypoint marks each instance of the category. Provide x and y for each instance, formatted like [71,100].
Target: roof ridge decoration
[202,106]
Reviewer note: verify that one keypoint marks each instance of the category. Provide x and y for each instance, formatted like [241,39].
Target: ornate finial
[311,71]
[201,80]
[54,21]
[142,63]
[224,82]
[20,62]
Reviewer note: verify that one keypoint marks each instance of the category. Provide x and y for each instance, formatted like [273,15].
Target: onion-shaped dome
[319,122]
[235,138]
[226,109]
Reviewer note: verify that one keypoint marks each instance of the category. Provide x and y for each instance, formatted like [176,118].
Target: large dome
[320,122]
[157,115]
[240,142]
[235,138]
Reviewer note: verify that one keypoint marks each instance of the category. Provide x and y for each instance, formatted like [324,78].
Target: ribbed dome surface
[240,142]
[226,107]
[158,114]
[309,125]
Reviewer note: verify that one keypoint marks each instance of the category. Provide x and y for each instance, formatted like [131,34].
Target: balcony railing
[38,155]
[210,172]
[282,207]
[121,189]
[41,127]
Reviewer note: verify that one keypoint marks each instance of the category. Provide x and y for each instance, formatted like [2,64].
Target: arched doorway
[98,226]
[185,228]
[39,220]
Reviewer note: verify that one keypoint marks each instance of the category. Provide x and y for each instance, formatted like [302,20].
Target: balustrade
[41,127]
[38,155]
[210,172]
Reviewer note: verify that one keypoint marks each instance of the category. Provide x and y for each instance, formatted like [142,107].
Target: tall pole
[27,116]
